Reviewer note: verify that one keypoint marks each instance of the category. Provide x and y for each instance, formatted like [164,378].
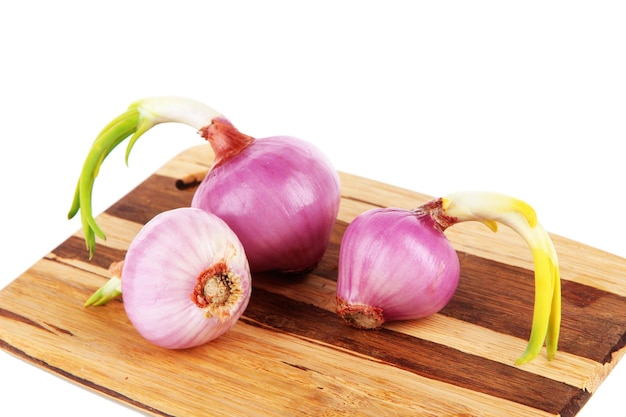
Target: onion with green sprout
[397,264]
[279,194]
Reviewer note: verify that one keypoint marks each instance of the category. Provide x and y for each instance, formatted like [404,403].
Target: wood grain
[291,355]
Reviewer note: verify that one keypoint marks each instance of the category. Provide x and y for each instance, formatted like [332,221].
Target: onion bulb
[397,264]
[280,195]
[185,279]
[394,265]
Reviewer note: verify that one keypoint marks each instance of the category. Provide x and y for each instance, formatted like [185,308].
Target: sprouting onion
[185,279]
[280,195]
[397,264]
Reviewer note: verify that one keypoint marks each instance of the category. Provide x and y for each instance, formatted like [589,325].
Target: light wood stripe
[119,232]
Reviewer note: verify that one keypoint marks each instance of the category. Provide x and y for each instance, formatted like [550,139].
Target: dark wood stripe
[421,357]
[81,381]
[592,319]
[74,248]
[60,329]
[19,318]
[153,196]
[362,200]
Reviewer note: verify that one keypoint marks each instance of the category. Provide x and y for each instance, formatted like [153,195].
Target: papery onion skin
[394,265]
[161,270]
[280,195]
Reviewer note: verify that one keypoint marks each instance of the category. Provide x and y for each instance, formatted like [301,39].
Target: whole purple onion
[394,264]
[280,195]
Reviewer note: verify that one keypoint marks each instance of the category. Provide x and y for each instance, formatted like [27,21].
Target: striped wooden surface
[291,355]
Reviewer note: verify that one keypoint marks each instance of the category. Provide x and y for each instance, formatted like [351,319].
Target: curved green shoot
[493,208]
[140,117]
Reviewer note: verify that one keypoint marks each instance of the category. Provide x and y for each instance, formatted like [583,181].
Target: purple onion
[185,279]
[280,195]
[394,264]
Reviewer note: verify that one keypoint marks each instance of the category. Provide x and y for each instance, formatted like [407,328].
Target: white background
[526,98]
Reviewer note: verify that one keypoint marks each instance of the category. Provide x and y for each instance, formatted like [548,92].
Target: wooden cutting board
[291,355]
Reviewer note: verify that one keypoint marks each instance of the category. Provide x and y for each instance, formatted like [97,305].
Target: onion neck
[434,209]
[225,139]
